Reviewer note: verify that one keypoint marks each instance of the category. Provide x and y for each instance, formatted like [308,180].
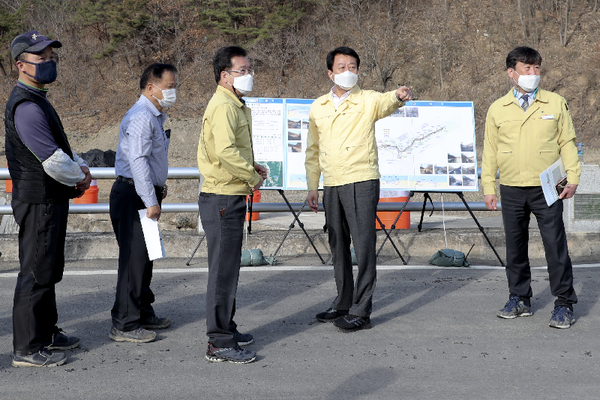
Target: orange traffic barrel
[388,217]
[90,196]
[8,183]
[255,199]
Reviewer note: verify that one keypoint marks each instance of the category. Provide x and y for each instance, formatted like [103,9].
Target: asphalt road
[435,336]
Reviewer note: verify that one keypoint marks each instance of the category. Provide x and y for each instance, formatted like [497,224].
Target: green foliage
[117,20]
[11,24]
[249,20]
[284,16]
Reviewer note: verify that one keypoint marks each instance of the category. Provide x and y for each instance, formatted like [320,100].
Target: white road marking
[291,268]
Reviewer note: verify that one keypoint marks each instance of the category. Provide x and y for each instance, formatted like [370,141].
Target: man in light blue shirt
[141,167]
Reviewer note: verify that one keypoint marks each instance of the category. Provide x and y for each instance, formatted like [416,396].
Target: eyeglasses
[242,71]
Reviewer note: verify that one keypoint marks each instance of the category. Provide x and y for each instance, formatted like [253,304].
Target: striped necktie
[525,104]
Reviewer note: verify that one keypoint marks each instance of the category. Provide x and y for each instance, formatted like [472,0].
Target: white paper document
[550,179]
[154,242]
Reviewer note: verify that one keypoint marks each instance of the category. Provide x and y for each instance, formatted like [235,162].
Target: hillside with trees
[442,49]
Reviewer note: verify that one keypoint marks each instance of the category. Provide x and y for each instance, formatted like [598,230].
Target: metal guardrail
[193,173]
[109,173]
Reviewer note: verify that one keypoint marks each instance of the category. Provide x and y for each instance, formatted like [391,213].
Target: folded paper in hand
[154,243]
[553,180]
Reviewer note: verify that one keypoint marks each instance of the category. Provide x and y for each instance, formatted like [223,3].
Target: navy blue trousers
[518,203]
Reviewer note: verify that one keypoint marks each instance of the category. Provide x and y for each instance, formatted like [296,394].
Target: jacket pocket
[507,163]
[355,158]
[547,156]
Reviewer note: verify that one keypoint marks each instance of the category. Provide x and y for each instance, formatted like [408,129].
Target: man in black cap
[45,174]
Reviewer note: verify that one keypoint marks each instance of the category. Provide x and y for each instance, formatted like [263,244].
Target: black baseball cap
[31,42]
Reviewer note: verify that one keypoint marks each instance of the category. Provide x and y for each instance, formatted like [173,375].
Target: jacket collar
[354,97]
[232,96]
[509,98]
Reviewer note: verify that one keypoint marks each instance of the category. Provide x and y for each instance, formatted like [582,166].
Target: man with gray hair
[142,168]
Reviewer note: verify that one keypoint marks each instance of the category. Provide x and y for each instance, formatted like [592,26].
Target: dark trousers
[351,211]
[42,231]
[517,205]
[134,298]
[223,222]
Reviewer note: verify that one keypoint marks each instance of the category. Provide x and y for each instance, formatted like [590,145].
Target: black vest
[31,184]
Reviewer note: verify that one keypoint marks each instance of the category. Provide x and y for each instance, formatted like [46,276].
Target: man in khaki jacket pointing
[341,145]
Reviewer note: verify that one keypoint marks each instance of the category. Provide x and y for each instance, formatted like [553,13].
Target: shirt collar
[350,95]
[150,106]
[510,97]
[342,97]
[531,95]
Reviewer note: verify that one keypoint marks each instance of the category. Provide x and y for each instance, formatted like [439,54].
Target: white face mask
[169,97]
[346,80]
[528,82]
[243,83]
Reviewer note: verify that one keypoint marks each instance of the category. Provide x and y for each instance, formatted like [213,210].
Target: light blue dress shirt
[519,96]
[143,149]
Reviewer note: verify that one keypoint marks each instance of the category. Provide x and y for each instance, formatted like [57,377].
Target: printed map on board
[428,146]
[423,146]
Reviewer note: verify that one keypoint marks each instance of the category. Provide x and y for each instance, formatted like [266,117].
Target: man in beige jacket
[226,160]
[341,145]
[526,131]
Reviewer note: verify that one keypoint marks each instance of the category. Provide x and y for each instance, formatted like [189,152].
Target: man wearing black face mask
[45,174]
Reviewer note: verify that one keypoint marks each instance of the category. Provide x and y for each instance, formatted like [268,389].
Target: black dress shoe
[155,322]
[330,315]
[352,323]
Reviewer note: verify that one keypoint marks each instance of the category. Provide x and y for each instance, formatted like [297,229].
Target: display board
[424,146]
[428,146]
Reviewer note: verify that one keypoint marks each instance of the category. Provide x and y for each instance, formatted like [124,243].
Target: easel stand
[195,250]
[426,197]
[387,235]
[292,225]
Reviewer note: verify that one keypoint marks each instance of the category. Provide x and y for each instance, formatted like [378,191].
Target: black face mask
[45,72]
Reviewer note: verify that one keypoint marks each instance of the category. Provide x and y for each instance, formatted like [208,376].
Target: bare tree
[529,23]
[563,11]
[377,28]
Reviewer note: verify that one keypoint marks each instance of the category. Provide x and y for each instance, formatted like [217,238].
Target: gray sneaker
[515,307]
[42,358]
[562,317]
[139,335]
[235,355]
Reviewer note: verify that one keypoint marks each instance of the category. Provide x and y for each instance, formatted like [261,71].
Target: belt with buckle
[159,189]
[126,180]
